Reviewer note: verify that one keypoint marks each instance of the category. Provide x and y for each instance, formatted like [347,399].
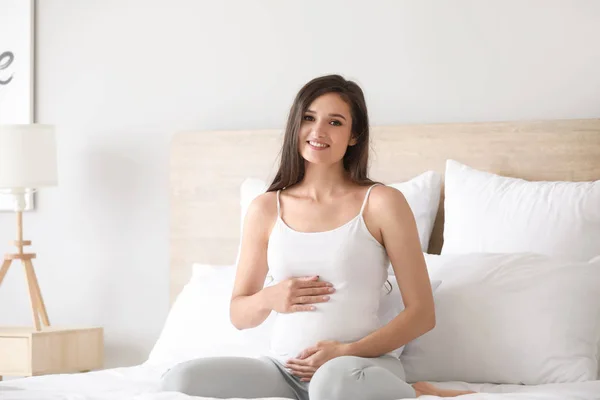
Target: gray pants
[341,378]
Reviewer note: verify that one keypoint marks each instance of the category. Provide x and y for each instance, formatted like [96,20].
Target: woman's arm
[249,306]
[389,212]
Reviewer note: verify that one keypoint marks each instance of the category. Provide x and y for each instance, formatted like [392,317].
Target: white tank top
[351,259]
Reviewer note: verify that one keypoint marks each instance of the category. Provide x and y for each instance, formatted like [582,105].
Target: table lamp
[27,162]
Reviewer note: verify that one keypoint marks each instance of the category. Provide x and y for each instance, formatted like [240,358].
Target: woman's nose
[320,129]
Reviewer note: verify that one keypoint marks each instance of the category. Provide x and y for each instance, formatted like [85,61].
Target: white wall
[119,77]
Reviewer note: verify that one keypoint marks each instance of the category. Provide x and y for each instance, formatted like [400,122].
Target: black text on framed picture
[16,61]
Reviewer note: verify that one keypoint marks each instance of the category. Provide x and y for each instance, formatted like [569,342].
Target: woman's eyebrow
[331,115]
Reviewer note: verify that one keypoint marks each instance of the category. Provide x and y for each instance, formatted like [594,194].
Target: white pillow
[421,192]
[489,213]
[423,196]
[198,323]
[510,318]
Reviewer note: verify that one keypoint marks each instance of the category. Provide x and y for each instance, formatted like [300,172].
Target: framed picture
[17,63]
[17,34]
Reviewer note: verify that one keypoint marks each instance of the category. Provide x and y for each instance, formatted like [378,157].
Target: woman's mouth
[317,145]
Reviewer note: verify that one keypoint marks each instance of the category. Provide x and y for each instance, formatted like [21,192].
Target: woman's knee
[207,375]
[351,377]
[180,377]
[213,376]
[336,379]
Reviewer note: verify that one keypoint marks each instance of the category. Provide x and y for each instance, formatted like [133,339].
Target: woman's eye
[308,118]
[336,123]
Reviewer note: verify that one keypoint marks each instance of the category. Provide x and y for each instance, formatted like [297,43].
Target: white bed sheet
[142,383]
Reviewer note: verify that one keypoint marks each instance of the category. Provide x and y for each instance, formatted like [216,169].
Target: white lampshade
[27,156]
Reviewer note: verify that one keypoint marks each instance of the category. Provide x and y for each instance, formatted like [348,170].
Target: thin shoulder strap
[278,206]
[366,197]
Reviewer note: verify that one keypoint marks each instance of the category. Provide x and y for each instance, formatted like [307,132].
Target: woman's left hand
[309,360]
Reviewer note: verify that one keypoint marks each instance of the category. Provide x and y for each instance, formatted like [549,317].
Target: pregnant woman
[327,234]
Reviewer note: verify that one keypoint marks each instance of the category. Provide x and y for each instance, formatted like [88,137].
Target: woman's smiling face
[326,130]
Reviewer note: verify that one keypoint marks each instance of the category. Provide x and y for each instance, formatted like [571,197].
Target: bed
[208,168]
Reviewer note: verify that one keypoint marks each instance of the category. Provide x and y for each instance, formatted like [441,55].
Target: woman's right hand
[298,294]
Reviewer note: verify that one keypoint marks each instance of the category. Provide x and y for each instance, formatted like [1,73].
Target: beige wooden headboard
[207,168]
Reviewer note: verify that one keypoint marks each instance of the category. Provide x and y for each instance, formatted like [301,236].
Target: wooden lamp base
[37,303]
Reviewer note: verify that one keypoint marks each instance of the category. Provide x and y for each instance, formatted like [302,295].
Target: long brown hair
[356,158]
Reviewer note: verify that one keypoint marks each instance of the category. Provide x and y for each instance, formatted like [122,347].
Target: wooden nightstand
[27,352]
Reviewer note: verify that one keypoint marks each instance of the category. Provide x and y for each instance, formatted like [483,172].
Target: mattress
[142,382]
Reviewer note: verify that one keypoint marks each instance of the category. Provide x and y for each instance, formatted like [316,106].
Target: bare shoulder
[387,214]
[384,198]
[387,205]
[392,216]
[262,211]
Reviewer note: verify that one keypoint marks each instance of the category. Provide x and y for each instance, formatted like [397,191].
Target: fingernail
[325,297]
[312,308]
[329,284]
[331,290]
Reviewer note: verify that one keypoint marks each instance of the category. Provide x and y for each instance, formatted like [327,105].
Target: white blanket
[143,382]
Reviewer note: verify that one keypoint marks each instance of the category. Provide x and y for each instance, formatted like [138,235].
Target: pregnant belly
[294,332]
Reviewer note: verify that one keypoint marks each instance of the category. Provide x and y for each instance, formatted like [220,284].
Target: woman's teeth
[317,144]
